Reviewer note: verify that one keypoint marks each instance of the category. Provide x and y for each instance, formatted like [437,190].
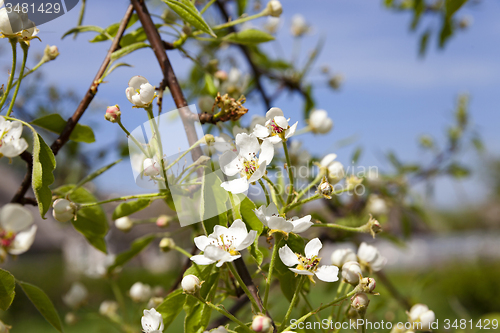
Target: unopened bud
[335,82]
[367,285]
[154,302]
[124,223]
[108,309]
[360,302]
[209,138]
[374,226]
[190,284]
[221,75]
[63,210]
[163,221]
[351,272]
[261,324]
[50,53]
[113,113]
[325,188]
[341,256]
[167,244]
[70,318]
[140,292]
[274,8]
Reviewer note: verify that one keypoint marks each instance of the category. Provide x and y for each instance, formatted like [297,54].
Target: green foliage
[44,164]
[90,221]
[188,12]
[171,306]
[113,29]
[84,28]
[128,208]
[248,37]
[7,289]
[43,304]
[56,124]
[213,199]
[137,247]
[127,50]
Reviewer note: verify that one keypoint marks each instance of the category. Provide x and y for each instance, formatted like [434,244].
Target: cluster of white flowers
[271,218]
[17,231]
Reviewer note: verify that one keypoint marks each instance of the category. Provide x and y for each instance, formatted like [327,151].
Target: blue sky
[390,95]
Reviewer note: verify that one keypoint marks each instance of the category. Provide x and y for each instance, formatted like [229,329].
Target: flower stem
[236,211]
[309,306]
[362,228]
[137,143]
[307,315]
[314,182]
[232,23]
[277,239]
[13,42]
[314,197]
[127,197]
[184,252]
[25,48]
[204,9]
[290,173]
[243,286]
[295,299]
[276,191]
[268,201]
[223,312]
[156,135]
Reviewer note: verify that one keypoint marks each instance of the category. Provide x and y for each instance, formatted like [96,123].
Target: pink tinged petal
[301,271]
[279,223]
[249,239]
[15,218]
[136,81]
[327,273]
[261,171]
[261,131]
[202,260]
[230,163]
[266,152]
[130,92]
[23,241]
[291,131]
[248,145]
[274,112]
[281,122]
[236,186]
[287,256]
[313,247]
[201,242]
[328,159]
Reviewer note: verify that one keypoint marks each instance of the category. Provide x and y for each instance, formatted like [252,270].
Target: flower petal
[313,247]
[202,242]
[279,223]
[266,152]
[249,239]
[287,256]
[261,214]
[248,145]
[202,260]
[236,186]
[23,241]
[15,218]
[301,271]
[214,253]
[227,258]
[147,93]
[274,112]
[261,171]
[281,122]
[291,131]
[328,159]
[328,273]
[261,131]
[230,163]
[271,209]
[136,81]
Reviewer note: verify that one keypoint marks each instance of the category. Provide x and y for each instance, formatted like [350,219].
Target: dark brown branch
[169,77]
[82,107]
[246,52]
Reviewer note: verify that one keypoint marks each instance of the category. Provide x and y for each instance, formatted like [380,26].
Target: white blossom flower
[276,127]
[190,284]
[351,272]
[17,24]
[11,143]
[63,210]
[271,218]
[124,223]
[299,25]
[376,205]
[17,231]
[420,313]
[108,308]
[341,256]
[320,122]
[140,92]
[250,167]
[369,255]
[261,323]
[274,8]
[140,292]
[334,169]
[152,321]
[76,296]
[224,244]
[309,264]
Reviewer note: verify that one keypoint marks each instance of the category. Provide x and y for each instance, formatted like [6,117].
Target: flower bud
[154,302]
[124,223]
[367,285]
[375,226]
[167,244]
[140,292]
[351,272]
[274,8]
[209,138]
[63,210]
[320,122]
[376,205]
[76,296]
[335,81]
[325,188]
[108,309]
[299,25]
[261,324]
[360,302]
[206,103]
[341,256]
[70,318]
[352,182]
[151,167]
[190,284]
[220,75]
[420,313]
[113,113]
[163,221]
[50,53]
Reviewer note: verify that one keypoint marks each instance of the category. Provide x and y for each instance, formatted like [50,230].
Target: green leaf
[42,303]
[213,201]
[113,29]
[7,289]
[84,28]
[209,85]
[137,246]
[255,252]
[424,41]
[115,66]
[248,37]
[171,307]
[128,208]
[44,164]
[136,36]
[202,272]
[95,174]
[458,171]
[55,123]
[309,101]
[242,6]
[451,6]
[356,155]
[251,220]
[190,14]
[90,221]
[126,50]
